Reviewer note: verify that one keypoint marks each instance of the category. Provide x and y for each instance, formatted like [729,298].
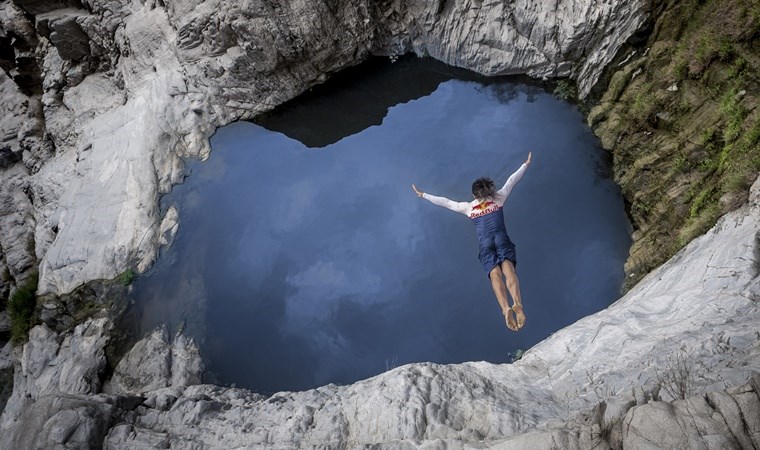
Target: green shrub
[565,90]
[700,223]
[21,308]
[743,154]
[517,355]
[708,136]
[643,105]
[736,182]
[734,114]
[680,162]
[738,68]
[703,199]
[680,66]
[127,277]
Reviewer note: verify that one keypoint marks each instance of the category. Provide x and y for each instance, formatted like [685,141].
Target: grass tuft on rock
[21,307]
[127,277]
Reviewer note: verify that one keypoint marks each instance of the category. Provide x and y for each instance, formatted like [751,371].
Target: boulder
[65,34]
[154,363]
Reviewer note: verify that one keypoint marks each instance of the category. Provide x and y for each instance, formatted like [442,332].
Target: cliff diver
[497,252]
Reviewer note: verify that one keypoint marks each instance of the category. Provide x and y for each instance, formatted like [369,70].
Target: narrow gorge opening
[304,258]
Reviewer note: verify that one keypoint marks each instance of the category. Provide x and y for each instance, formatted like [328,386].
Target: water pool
[305,258]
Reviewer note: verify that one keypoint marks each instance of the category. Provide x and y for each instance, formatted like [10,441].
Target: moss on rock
[682,122]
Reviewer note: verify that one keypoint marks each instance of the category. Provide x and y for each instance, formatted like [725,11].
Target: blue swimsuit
[493,241]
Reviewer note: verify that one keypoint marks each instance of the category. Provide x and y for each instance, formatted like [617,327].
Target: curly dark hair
[483,188]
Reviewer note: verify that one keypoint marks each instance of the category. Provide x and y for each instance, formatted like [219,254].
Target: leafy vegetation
[21,307]
[516,355]
[566,90]
[127,277]
[643,105]
[713,30]
[688,145]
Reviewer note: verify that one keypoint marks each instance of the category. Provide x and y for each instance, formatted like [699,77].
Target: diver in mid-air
[497,252]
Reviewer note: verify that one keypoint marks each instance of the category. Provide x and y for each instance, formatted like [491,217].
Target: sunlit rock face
[126,89]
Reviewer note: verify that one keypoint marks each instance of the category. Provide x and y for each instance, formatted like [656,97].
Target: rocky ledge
[674,363]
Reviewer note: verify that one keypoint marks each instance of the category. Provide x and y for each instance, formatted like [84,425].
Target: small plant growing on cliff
[733,112]
[565,90]
[517,355]
[679,379]
[127,277]
[643,105]
[21,308]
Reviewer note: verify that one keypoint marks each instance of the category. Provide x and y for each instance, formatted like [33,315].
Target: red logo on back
[482,205]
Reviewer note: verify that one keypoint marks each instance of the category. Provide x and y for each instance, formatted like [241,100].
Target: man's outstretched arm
[460,207]
[514,178]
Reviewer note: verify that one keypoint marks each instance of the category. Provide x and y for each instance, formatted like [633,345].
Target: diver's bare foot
[520,315]
[511,320]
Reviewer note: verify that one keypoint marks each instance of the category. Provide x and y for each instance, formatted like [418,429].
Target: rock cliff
[115,94]
[104,99]
[681,119]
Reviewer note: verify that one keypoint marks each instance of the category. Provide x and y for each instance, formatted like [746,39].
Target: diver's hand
[530,155]
[417,191]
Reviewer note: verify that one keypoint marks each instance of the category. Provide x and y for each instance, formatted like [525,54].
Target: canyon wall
[114,94]
[105,98]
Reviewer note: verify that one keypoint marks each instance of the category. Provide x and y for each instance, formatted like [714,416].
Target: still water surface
[304,262]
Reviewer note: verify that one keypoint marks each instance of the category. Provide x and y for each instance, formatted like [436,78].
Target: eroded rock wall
[682,122]
[124,90]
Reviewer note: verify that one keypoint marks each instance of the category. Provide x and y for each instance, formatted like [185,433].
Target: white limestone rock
[543,39]
[169,226]
[154,363]
[609,357]
[176,72]
[16,221]
[146,367]
[717,420]
[187,365]
[49,366]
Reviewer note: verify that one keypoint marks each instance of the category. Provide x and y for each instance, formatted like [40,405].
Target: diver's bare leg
[500,291]
[513,285]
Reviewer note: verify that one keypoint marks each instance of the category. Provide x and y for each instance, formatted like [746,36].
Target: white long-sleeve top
[480,207]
